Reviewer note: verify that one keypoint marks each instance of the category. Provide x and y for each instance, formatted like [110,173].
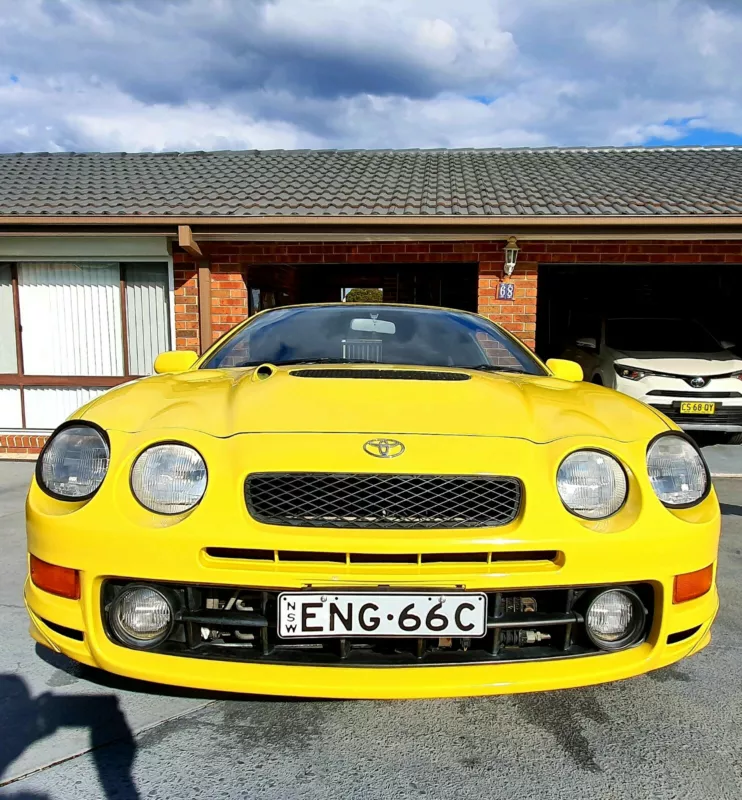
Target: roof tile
[518,182]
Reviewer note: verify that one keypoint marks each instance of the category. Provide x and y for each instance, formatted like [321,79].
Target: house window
[70,331]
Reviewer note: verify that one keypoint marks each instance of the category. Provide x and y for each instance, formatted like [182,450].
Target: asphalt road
[69,732]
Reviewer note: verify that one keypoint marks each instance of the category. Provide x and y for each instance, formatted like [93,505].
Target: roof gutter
[501,221]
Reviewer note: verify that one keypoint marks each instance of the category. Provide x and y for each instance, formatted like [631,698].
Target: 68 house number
[506,291]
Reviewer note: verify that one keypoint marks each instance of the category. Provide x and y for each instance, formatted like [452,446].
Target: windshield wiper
[494,368]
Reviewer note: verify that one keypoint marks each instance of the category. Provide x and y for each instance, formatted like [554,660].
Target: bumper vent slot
[367,500]
[307,557]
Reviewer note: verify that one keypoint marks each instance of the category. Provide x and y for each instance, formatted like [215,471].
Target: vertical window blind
[83,327]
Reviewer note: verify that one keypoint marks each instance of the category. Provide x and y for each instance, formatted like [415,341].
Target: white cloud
[212,74]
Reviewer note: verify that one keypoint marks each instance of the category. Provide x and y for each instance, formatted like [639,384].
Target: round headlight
[169,478]
[74,462]
[141,616]
[677,471]
[591,484]
[615,619]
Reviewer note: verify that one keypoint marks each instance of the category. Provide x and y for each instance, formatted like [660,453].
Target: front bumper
[113,537]
[97,650]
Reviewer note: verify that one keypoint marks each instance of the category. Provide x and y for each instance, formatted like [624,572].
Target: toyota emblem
[384,448]
[698,383]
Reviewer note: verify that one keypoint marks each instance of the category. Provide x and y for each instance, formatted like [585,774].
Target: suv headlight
[677,471]
[592,484]
[74,462]
[631,373]
[169,478]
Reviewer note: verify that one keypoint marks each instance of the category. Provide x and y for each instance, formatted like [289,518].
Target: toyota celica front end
[371,501]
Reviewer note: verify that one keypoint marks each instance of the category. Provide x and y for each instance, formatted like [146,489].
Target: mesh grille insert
[382,374]
[367,500]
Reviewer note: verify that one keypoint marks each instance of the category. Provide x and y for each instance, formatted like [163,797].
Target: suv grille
[364,500]
[730,415]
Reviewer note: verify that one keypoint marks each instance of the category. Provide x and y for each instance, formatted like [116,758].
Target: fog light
[141,616]
[615,619]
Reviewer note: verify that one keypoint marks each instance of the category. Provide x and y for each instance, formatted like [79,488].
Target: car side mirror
[566,370]
[727,345]
[587,343]
[175,361]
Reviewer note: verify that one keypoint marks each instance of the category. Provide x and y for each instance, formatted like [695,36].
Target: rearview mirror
[372,326]
[175,361]
[727,345]
[587,342]
[566,370]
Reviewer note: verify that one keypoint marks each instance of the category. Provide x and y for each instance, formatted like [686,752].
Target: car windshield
[378,334]
[660,335]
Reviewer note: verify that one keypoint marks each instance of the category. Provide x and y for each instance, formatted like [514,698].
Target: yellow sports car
[371,501]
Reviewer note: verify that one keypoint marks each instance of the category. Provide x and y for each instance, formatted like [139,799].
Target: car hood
[720,363]
[226,402]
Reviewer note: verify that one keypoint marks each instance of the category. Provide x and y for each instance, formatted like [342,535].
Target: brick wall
[232,262]
[17,445]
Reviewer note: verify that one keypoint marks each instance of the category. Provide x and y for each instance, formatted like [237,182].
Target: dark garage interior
[573,298]
[450,285]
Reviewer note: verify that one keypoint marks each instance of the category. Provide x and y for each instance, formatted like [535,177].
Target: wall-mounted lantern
[511,255]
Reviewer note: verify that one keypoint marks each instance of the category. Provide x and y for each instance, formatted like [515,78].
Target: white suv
[674,365]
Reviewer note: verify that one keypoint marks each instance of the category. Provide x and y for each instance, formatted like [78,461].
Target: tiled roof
[563,182]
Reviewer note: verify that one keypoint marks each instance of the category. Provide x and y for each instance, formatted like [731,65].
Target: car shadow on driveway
[28,719]
[118,683]
[728,509]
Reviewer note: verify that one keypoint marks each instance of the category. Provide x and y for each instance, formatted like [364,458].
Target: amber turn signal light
[693,584]
[62,581]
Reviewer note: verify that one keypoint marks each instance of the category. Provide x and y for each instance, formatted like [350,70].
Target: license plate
[697,408]
[339,614]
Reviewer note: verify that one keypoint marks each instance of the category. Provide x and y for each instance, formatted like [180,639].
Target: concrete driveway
[71,732]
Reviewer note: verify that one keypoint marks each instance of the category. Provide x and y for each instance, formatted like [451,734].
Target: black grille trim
[371,500]
[381,374]
[691,395]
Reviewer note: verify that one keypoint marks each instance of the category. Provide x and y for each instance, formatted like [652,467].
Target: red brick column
[228,297]
[519,314]
[186,303]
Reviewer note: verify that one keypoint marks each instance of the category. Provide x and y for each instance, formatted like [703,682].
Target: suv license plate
[388,614]
[697,408]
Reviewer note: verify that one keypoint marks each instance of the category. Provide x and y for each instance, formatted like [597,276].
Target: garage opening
[572,299]
[449,285]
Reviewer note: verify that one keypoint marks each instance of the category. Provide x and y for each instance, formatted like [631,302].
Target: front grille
[730,415]
[381,374]
[367,500]
[240,624]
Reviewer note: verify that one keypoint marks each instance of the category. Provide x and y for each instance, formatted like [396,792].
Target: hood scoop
[381,374]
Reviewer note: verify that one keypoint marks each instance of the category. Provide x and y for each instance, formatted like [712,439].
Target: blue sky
[219,74]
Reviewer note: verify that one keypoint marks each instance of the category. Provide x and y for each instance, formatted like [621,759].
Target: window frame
[20,380]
